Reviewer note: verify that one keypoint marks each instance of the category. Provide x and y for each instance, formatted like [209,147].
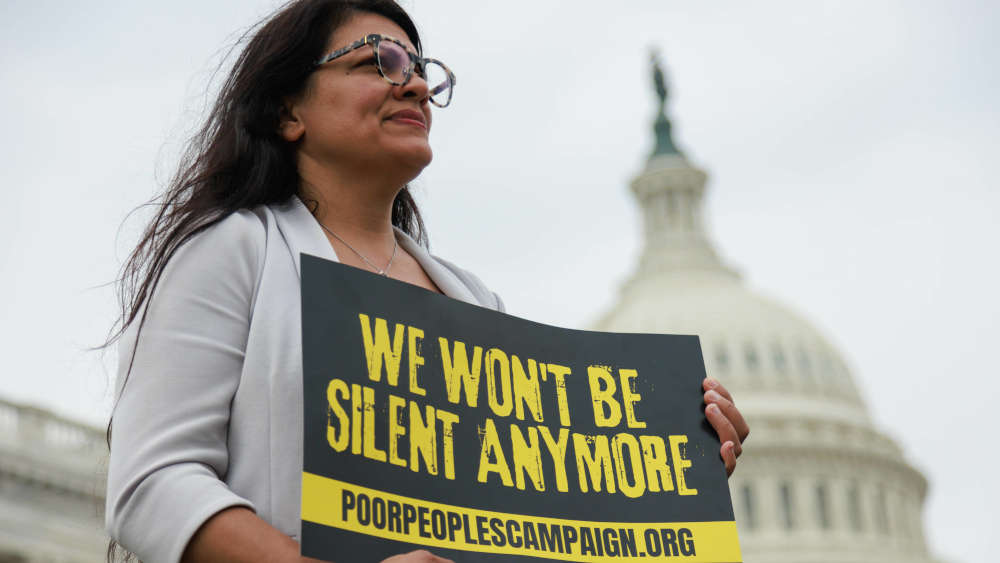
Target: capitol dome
[817,481]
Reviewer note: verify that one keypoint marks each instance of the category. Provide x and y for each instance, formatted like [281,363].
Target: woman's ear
[290,125]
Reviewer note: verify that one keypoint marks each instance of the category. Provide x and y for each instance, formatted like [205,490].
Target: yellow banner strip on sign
[377,513]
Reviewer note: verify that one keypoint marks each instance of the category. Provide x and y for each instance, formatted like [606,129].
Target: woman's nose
[416,87]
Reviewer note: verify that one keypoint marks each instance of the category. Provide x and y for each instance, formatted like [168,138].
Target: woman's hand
[727,421]
[418,556]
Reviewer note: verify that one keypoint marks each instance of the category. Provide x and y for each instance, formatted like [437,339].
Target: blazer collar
[304,235]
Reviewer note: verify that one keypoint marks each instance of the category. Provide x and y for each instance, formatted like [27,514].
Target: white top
[211,416]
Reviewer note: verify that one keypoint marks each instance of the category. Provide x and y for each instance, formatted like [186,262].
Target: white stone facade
[817,483]
[52,480]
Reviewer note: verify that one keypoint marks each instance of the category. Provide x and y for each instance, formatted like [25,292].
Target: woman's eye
[365,62]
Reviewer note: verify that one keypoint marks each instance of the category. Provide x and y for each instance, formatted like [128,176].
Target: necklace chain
[379,271]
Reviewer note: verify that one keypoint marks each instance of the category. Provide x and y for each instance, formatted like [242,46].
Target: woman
[319,127]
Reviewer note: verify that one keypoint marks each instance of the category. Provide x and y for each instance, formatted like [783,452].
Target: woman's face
[349,116]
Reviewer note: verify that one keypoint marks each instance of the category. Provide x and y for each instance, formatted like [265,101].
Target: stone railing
[41,446]
[32,427]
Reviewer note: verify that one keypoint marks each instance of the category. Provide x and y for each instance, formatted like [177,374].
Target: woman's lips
[410,117]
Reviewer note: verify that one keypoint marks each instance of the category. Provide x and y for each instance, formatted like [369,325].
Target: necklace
[379,271]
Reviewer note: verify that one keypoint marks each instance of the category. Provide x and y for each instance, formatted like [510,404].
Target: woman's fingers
[418,556]
[710,384]
[727,421]
[716,394]
[729,455]
[723,427]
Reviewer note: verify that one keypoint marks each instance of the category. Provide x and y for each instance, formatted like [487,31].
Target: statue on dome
[664,139]
[659,79]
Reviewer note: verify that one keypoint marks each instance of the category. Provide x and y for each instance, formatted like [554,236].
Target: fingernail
[732,448]
[713,407]
[713,396]
[712,383]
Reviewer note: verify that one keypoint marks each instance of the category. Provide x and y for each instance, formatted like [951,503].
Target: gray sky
[850,146]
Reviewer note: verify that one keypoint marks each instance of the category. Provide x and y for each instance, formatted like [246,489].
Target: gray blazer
[211,416]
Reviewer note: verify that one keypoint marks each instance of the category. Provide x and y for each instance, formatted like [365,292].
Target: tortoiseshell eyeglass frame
[416,62]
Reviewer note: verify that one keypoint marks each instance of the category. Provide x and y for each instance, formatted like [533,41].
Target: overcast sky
[851,148]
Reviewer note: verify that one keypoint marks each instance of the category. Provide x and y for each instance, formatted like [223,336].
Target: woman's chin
[416,157]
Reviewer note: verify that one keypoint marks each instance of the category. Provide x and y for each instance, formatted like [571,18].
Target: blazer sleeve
[169,430]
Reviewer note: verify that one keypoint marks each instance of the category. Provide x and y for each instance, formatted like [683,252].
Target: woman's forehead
[364,23]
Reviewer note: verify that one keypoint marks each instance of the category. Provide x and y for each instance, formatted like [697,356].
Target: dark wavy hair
[237,159]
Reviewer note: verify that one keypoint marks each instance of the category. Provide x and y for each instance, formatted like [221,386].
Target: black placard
[581,446]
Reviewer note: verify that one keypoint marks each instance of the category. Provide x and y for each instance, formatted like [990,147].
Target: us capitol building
[818,483]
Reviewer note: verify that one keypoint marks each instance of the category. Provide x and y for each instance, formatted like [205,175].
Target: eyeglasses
[395,64]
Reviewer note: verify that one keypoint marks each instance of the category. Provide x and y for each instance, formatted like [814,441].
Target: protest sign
[431,423]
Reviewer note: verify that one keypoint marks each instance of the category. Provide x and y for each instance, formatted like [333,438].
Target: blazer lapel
[302,232]
[446,281]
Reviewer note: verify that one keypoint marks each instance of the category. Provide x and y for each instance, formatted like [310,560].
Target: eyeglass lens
[395,64]
[438,82]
